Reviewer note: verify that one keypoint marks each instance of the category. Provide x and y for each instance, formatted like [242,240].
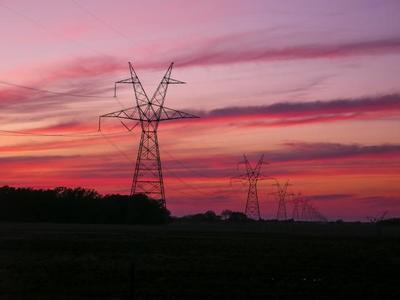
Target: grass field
[199,261]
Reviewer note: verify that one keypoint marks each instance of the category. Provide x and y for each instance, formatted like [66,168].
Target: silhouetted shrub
[208,216]
[237,217]
[226,214]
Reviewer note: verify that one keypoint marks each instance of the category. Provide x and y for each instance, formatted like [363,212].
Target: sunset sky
[312,85]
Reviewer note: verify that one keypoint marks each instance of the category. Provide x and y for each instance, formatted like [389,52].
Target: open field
[199,261]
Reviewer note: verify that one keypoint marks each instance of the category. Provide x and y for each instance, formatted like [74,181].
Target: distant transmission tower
[309,213]
[281,194]
[148,178]
[252,209]
[378,218]
[296,206]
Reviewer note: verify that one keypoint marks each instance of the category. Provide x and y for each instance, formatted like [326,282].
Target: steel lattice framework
[252,209]
[148,178]
[297,200]
[281,193]
[305,211]
[310,213]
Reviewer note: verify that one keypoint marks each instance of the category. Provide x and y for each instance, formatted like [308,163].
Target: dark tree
[208,216]
[235,216]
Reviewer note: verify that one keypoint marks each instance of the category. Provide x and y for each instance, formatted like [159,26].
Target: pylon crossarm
[165,114]
[174,81]
[129,80]
[125,114]
[128,114]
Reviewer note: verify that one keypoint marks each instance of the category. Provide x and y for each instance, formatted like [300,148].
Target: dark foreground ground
[187,261]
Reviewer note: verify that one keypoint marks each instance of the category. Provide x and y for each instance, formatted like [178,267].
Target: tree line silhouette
[210,216]
[78,205]
[86,206]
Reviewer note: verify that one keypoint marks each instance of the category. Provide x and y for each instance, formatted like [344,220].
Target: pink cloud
[298,113]
[242,48]
[235,48]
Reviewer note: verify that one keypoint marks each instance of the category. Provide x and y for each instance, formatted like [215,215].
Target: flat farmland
[199,261]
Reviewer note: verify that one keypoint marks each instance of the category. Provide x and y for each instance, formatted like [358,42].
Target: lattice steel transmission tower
[281,193]
[297,199]
[252,209]
[148,112]
[309,213]
[378,218]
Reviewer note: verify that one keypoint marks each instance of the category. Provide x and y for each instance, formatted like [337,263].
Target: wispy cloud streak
[295,113]
[242,48]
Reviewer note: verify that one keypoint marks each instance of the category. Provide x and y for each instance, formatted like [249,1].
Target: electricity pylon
[252,209]
[281,194]
[378,218]
[309,213]
[148,178]
[296,206]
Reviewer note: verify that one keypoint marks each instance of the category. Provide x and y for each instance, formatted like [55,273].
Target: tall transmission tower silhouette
[281,194]
[252,209]
[297,199]
[148,112]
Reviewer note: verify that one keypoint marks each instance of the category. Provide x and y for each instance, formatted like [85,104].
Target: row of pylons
[301,207]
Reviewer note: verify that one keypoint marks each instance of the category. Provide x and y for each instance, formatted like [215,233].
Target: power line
[181,180]
[120,151]
[188,169]
[15,132]
[58,93]
[45,28]
[194,172]
[27,133]
[188,185]
[100,20]
[49,91]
